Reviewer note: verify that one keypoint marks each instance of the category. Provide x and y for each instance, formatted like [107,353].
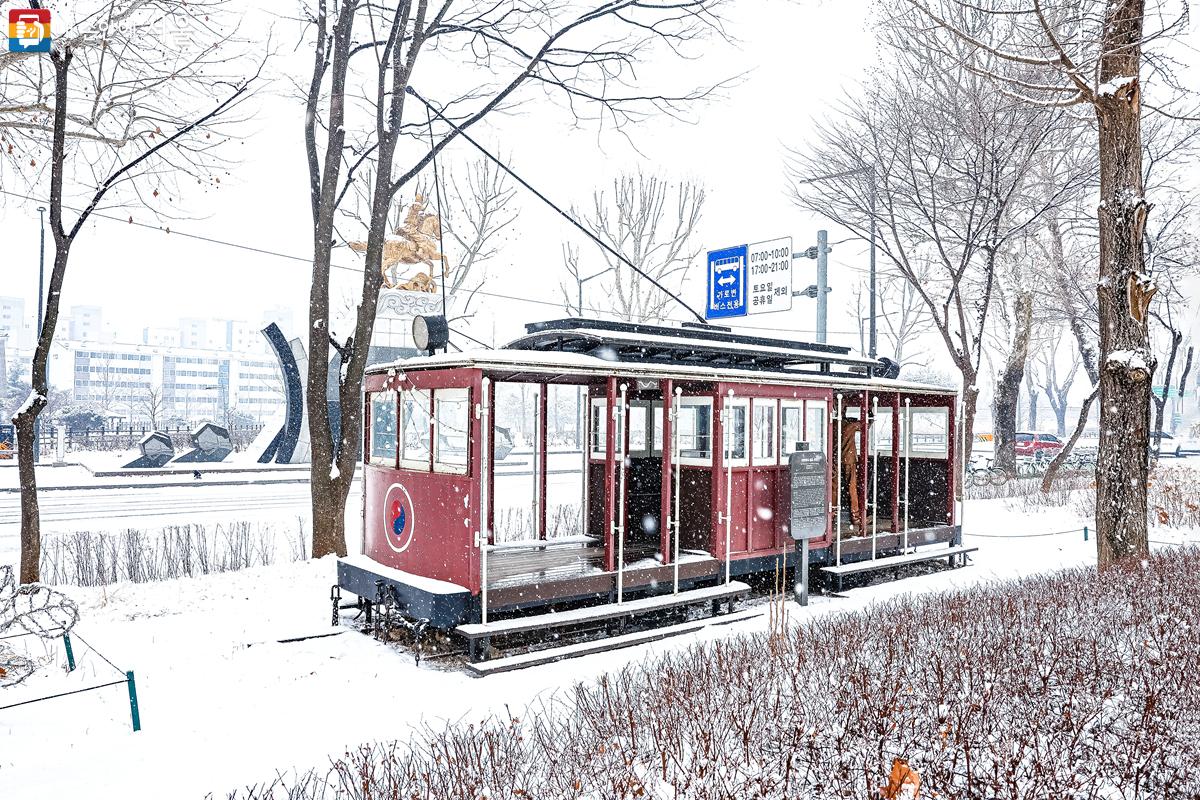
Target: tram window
[814,424]
[694,428]
[791,426]
[637,428]
[764,432]
[414,447]
[451,430]
[383,428]
[598,429]
[735,431]
[657,443]
[881,431]
[930,433]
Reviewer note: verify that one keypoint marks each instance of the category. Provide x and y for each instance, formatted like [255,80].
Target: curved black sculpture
[283,445]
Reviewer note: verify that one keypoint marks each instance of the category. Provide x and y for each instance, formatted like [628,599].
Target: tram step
[579,616]
[915,557]
[553,654]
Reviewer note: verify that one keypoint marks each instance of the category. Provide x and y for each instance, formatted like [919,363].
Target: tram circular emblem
[399,517]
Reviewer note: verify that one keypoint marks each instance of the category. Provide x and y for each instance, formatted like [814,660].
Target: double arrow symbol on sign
[726,280]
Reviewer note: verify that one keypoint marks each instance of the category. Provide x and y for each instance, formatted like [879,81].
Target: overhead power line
[358,270]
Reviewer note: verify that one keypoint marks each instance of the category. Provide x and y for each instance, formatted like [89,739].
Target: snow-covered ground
[224,704]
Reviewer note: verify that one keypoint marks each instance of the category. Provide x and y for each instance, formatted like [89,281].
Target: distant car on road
[1188,445]
[1037,445]
[1168,445]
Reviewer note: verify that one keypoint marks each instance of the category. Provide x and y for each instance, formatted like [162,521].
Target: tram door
[643,465]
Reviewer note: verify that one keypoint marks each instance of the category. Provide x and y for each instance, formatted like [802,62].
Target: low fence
[126,437]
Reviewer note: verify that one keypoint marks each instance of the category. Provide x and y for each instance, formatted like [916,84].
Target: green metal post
[70,652]
[1085,533]
[133,704]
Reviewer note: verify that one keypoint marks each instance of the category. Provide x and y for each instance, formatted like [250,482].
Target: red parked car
[1034,445]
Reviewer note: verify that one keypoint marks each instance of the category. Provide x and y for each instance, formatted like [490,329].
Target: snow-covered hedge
[1074,685]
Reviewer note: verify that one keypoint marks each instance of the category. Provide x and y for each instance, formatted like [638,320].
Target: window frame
[727,408]
[771,459]
[462,395]
[425,464]
[372,457]
[695,401]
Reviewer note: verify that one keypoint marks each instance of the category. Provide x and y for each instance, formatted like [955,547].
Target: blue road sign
[726,283]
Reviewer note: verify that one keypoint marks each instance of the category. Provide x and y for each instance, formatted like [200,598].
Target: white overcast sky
[800,58]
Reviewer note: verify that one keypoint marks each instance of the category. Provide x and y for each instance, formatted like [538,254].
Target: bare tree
[1090,53]
[949,162]
[152,405]
[651,222]
[1015,310]
[164,117]
[585,53]
[1056,386]
[477,210]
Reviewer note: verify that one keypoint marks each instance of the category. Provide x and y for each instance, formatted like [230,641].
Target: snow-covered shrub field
[1071,685]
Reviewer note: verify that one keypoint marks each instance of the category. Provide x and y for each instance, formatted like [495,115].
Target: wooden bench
[479,635]
[956,552]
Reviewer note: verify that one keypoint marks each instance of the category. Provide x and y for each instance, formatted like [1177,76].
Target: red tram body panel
[634,459]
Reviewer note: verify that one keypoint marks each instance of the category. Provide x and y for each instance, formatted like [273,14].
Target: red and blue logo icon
[399,518]
[29,30]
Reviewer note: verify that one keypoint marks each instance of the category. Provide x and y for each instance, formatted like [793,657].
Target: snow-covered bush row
[1075,685]
[97,558]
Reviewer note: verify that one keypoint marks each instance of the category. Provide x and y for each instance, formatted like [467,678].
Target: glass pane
[792,428]
[764,431]
[599,428]
[515,501]
[637,428]
[930,432]
[451,429]
[414,452]
[881,431]
[814,424]
[658,429]
[695,428]
[383,428]
[735,432]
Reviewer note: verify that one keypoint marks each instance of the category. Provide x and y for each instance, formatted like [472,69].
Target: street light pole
[37,423]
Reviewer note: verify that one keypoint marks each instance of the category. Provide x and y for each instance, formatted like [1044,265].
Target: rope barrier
[97,652]
[64,694]
[1024,535]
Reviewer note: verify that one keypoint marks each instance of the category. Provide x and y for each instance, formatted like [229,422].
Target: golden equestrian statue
[415,241]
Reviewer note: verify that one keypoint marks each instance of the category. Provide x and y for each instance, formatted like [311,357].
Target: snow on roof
[557,363]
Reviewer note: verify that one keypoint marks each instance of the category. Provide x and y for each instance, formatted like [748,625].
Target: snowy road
[105,509]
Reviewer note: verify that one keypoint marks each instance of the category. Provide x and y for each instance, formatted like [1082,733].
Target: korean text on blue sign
[726,283]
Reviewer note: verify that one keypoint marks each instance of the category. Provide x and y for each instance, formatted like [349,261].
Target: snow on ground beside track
[224,704]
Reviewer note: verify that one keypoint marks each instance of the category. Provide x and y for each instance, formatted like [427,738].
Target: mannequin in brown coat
[850,429]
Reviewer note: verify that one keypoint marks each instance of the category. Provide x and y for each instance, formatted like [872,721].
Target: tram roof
[593,347]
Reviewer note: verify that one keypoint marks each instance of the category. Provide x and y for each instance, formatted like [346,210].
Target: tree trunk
[26,418]
[1183,377]
[1033,408]
[1062,281]
[1125,360]
[328,489]
[1060,417]
[1008,385]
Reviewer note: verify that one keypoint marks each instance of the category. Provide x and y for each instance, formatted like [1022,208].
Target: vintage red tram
[670,472]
